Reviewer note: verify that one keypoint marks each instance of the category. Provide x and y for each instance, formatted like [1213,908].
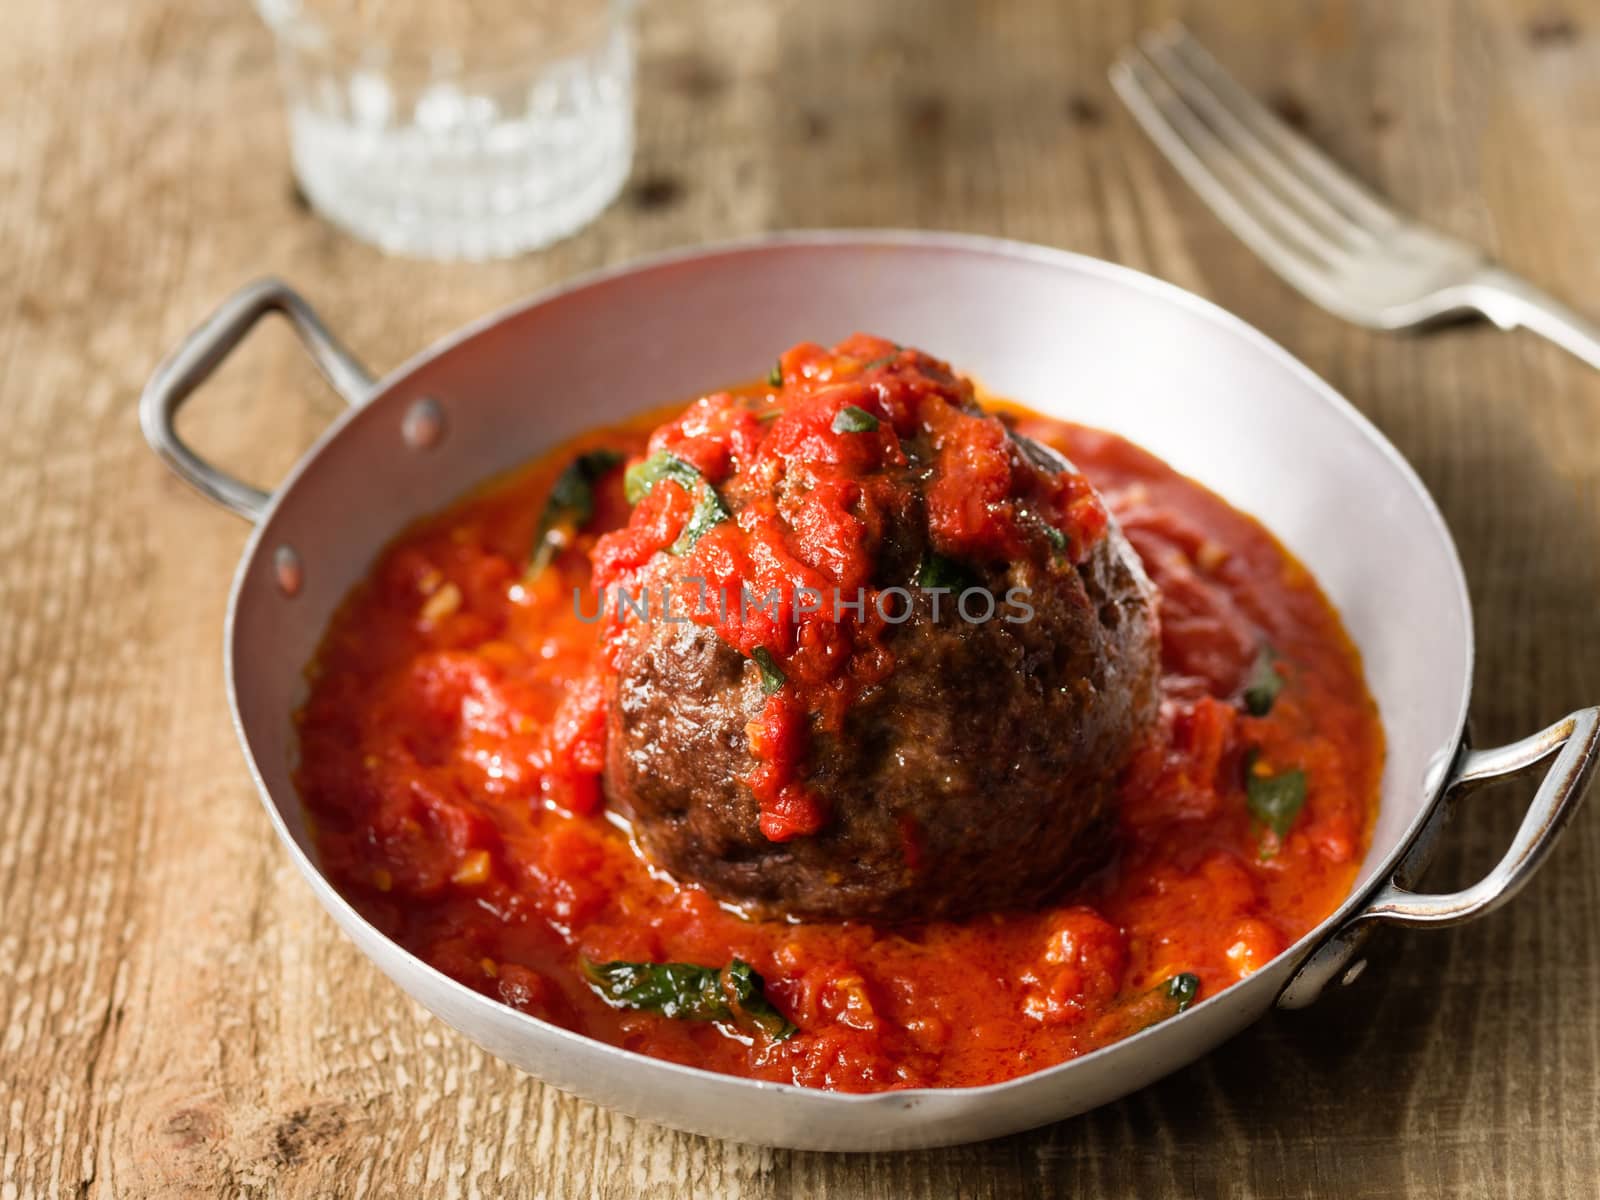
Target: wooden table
[179,1017]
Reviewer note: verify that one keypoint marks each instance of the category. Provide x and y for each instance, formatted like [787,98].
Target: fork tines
[1285,198]
[1309,219]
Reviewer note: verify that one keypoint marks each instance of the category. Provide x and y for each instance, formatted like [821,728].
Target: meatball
[951,750]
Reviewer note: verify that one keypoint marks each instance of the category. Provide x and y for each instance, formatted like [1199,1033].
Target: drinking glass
[468,129]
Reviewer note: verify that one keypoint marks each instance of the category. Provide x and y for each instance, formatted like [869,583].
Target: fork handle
[1511,301]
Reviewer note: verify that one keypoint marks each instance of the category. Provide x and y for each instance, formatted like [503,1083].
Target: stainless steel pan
[1068,335]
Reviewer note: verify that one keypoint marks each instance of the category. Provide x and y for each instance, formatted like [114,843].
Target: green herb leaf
[677,990]
[772,676]
[851,419]
[1167,999]
[569,506]
[1058,540]
[937,571]
[709,510]
[735,995]
[643,476]
[772,414]
[879,362]
[750,1001]
[1181,990]
[1264,682]
[775,376]
[1275,800]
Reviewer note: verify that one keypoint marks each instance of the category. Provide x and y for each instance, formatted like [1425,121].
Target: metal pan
[1068,335]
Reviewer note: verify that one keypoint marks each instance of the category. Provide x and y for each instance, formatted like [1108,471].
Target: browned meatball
[978,771]
[980,775]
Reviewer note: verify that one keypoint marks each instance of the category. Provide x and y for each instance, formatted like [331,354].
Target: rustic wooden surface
[177,1016]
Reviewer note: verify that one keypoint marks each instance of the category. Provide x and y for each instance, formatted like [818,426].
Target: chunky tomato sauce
[453,740]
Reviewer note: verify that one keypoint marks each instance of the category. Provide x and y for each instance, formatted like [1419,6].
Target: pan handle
[192,363]
[1575,741]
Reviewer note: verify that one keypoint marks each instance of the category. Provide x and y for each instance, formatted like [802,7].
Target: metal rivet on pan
[423,424]
[1354,973]
[286,566]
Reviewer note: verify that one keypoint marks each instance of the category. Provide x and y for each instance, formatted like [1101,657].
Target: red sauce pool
[440,809]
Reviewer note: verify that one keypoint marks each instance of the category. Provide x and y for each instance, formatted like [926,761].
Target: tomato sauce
[453,739]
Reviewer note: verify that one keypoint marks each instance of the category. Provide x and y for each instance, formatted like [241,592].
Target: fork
[1314,223]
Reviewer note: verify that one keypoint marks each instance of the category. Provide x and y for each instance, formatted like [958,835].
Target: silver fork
[1314,223]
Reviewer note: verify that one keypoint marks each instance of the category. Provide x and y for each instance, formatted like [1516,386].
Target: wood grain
[176,1015]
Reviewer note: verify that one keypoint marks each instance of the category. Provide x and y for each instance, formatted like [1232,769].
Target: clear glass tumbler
[458,130]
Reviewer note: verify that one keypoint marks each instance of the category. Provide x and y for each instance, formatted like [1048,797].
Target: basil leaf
[569,506]
[750,1000]
[1167,999]
[772,676]
[734,995]
[1275,800]
[1264,682]
[709,510]
[937,571]
[643,476]
[775,376]
[851,419]
[1180,990]
[677,990]
[1058,540]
